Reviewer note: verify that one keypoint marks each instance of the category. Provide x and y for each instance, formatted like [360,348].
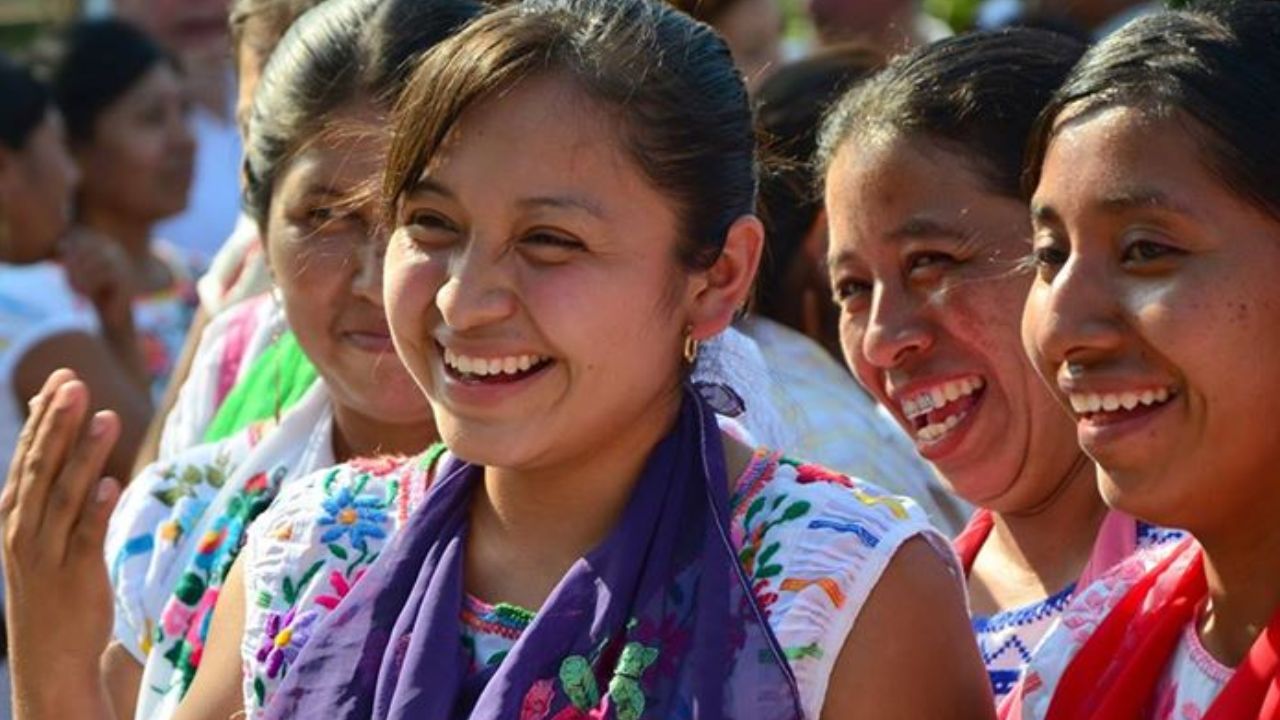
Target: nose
[896,329]
[368,258]
[476,293]
[1075,316]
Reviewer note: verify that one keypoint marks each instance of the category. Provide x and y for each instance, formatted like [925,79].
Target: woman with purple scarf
[572,185]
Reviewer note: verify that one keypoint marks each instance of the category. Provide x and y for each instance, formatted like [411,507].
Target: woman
[751,28]
[43,325]
[315,145]
[793,319]
[928,232]
[122,99]
[548,290]
[1154,318]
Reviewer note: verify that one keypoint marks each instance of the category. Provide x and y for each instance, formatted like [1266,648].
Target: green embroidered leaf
[769,571]
[756,506]
[169,496]
[190,476]
[768,553]
[338,550]
[579,682]
[190,588]
[215,476]
[310,573]
[264,599]
[290,594]
[259,691]
[796,510]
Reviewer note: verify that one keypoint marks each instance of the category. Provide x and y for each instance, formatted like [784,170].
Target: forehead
[1101,158]
[545,134]
[348,151]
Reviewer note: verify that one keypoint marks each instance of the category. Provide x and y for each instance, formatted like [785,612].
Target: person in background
[1155,319]
[793,319]
[239,269]
[890,26]
[122,98]
[929,236]
[44,325]
[317,142]
[751,28]
[195,32]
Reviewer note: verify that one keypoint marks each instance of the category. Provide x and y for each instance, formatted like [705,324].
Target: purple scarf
[657,622]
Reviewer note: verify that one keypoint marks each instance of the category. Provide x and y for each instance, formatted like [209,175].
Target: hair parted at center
[683,109]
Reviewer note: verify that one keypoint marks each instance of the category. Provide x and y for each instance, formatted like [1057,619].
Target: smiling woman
[1155,315]
[929,235]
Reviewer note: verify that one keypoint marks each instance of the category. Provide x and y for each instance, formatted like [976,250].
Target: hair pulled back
[264,22]
[1218,66]
[26,103]
[91,65]
[977,95]
[336,53]
[682,108]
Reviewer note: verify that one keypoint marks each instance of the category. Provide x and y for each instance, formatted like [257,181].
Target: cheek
[409,288]
[1034,316]
[985,316]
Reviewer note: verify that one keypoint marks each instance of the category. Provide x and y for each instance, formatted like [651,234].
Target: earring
[690,346]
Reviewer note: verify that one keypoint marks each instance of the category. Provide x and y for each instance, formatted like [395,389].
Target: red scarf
[1114,675]
[971,539]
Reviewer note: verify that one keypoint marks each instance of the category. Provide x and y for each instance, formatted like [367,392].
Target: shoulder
[1088,608]
[814,544]
[308,549]
[35,302]
[154,528]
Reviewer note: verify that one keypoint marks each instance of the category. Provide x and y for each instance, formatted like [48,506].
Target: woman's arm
[912,652]
[111,387]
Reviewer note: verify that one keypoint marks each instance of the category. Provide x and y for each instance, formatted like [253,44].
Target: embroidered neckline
[1026,614]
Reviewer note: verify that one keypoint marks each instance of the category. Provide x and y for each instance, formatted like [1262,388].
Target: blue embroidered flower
[357,517]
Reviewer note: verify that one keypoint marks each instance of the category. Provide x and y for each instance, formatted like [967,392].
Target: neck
[529,526]
[133,235]
[1042,549]
[1242,567]
[356,435]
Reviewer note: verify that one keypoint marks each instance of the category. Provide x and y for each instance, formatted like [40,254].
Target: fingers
[38,407]
[89,535]
[73,493]
[43,460]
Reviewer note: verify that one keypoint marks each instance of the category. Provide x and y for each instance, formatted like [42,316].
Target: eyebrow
[1125,200]
[924,227]
[427,186]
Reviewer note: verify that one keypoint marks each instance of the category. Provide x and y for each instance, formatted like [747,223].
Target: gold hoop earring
[690,347]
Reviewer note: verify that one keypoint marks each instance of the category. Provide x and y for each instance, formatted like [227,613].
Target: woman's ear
[727,284]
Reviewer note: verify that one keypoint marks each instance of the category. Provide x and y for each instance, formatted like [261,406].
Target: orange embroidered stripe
[829,586]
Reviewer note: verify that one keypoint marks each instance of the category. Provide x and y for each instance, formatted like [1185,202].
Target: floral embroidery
[340,589]
[285,637]
[537,702]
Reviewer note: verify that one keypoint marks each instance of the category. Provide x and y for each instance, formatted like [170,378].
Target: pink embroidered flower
[537,702]
[340,589]
[378,466]
[176,617]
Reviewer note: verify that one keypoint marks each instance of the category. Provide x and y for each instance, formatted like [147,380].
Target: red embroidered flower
[378,466]
[537,702]
[806,474]
[340,586]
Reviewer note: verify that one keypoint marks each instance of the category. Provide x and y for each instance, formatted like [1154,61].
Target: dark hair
[707,11]
[91,64]
[272,18]
[789,110]
[977,95]
[1218,67]
[682,108]
[340,51]
[26,103]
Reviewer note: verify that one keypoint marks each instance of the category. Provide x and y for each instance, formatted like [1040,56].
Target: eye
[549,247]
[850,292]
[924,264]
[1142,252]
[429,220]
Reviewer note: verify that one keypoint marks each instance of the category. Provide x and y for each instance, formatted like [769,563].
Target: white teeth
[936,397]
[1087,403]
[484,367]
